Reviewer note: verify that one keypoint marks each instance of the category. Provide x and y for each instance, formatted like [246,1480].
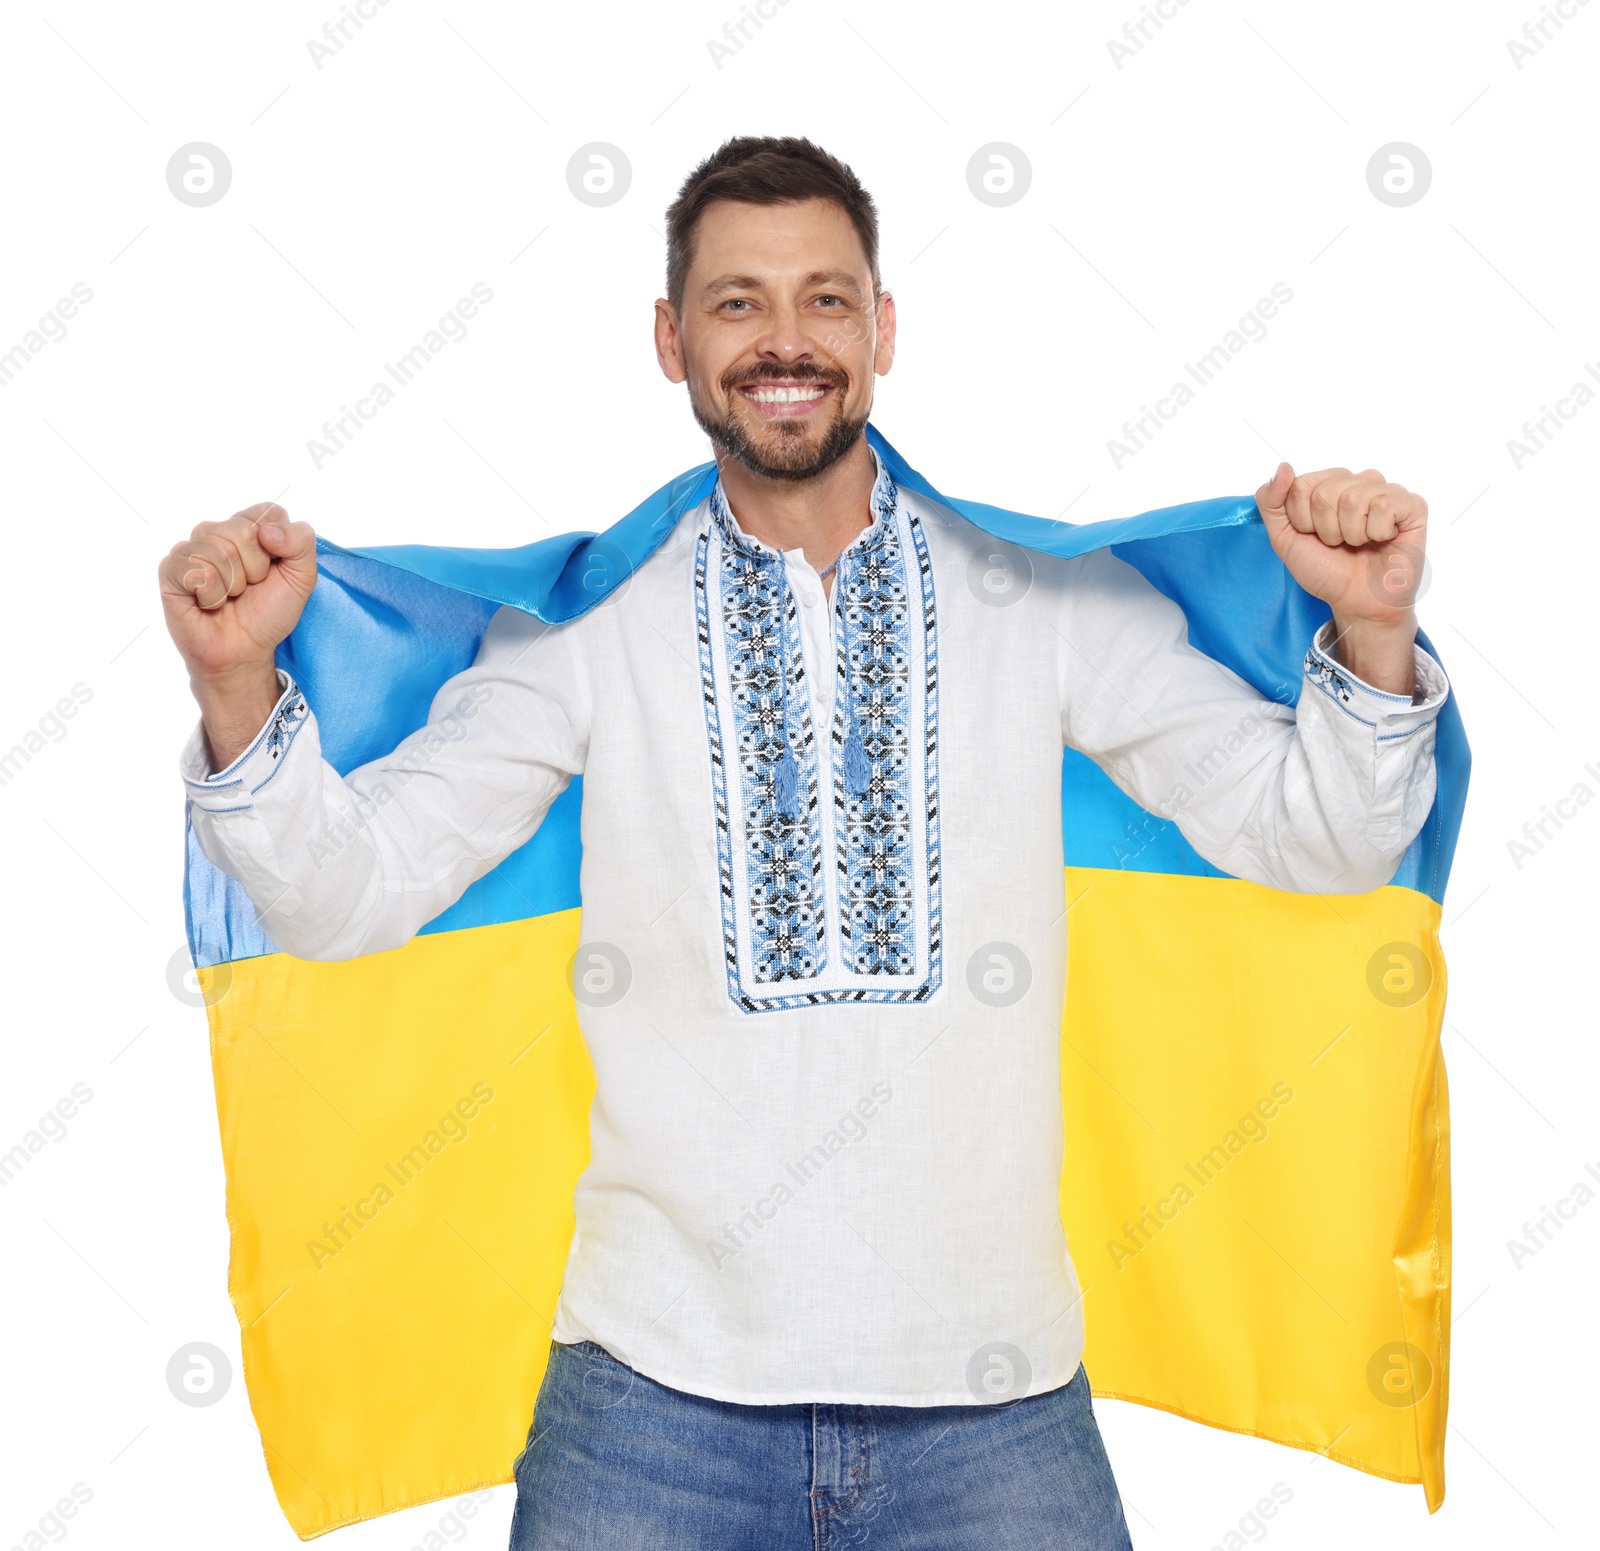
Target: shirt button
[809,599]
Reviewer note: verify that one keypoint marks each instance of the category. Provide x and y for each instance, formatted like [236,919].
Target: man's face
[779,335]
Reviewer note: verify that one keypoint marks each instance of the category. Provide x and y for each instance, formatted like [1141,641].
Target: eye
[835,300]
[735,301]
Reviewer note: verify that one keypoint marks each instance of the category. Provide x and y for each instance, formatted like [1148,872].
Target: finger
[222,548]
[1322,504]
[260,511]
[294,546]
[1270,497]
[1383,512]
[241,530]
[1297,504]
[262,514]
[223,558]
[187,569]
[203,582]
[1352,506]
[1411,515]
[174,567]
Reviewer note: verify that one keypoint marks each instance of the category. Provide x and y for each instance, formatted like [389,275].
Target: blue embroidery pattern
[884,777]
[1321,671]
[776,753]
[286,722]
[873,744]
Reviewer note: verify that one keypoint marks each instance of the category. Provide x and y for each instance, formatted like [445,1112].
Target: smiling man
[819,1289]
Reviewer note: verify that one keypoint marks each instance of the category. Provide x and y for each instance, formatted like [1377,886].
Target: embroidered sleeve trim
[262,759]
[1363,702]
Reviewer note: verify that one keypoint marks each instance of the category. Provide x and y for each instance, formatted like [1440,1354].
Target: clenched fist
[231,592]
[1356,541]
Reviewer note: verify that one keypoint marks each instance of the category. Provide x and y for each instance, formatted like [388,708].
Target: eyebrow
[839,279]
[734,283]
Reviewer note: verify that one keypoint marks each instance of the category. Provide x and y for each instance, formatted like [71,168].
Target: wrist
[1381,653]
[236,677]
[234,706]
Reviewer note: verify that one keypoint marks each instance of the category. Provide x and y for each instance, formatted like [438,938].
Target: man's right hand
[231,592]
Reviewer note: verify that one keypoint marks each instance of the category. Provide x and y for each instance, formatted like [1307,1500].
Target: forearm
[342,866]
[1380,654]
[1320,797]
[234,706]
[279,821]
[1333,799]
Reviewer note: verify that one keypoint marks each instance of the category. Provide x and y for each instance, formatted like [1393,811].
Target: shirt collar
[883,501]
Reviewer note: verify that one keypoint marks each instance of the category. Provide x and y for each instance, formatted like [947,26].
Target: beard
[787,451]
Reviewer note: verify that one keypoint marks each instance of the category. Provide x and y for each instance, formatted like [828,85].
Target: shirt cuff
[1390,716]
[233,789]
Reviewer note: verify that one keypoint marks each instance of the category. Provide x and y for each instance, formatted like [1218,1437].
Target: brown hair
[765,170]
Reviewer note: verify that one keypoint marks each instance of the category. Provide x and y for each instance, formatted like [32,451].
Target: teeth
[786,395]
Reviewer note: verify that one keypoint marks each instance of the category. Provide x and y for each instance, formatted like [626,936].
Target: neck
[819,516]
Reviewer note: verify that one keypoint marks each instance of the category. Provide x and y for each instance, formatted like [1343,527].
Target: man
[820,770]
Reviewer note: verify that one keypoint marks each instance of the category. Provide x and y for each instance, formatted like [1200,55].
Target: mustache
[771,371]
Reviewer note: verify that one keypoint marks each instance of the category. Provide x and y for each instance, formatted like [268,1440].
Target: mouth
[785,400]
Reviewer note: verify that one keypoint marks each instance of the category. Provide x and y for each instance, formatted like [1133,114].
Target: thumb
[1271,496]
[293,545]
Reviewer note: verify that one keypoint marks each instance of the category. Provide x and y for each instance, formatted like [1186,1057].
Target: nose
[786,340]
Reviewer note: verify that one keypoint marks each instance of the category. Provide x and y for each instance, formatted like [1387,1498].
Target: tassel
[786,784]
[857,772]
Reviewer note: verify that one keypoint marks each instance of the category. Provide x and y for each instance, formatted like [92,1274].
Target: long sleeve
[1321,797]
[337,868]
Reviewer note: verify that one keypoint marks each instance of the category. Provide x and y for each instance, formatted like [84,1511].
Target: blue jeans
[617,1462]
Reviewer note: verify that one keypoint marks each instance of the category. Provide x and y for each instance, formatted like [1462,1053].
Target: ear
[669,343]
[883,356]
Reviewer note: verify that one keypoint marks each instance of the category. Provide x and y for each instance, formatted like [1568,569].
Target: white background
[1227,154]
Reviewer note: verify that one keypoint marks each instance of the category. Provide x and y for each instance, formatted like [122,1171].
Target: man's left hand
[1355,541]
